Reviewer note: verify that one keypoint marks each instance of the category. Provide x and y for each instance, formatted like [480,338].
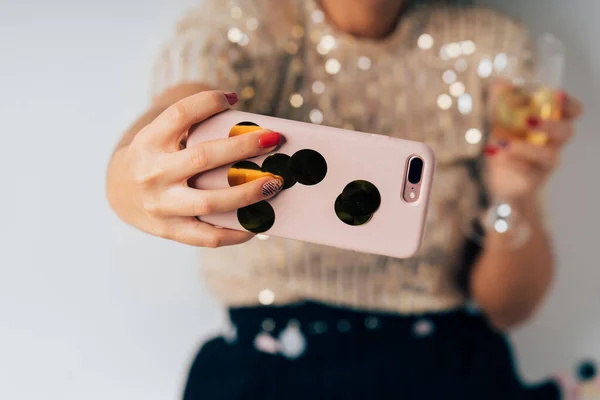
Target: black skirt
[313,351]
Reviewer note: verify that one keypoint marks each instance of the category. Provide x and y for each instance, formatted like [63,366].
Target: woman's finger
[542,157]
[187,202]
[572,108]
[212,154]
[166,131]
[197,233]
[558,132]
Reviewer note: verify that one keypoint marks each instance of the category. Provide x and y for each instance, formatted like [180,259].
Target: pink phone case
[307,213]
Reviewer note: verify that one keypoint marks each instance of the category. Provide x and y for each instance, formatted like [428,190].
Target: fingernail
[270,139]
[272,187]
[562,95]
[563,98]
[490,150]
[232,98]
[533,122]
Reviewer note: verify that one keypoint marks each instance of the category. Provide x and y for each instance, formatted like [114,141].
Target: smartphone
[346,189]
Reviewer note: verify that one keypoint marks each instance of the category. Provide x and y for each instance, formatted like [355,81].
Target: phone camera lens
[415,170]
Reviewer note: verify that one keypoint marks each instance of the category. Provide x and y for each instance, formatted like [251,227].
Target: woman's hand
[147,180]
[509,285]
[518,169]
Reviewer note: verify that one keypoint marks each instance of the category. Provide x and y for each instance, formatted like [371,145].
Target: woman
[316,322]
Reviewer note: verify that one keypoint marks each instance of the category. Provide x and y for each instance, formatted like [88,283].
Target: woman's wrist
[525,220]
[526,206]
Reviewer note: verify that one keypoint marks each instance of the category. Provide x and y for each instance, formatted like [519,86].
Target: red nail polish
[232,98]
[490,151]
[533,122]
[270,139]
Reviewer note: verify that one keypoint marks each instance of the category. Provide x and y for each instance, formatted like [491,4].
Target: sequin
[449,77]
[291,48]
[260,236]
[252,24]
[457,89]
[266,297]
[236,12]
[234,35]
[343,325]
[247,93]
[266,343]
[318,87]
[296,100]
[473,136]
[465,104]
[485,68]
[297,31]
[500,62]
[326,44]
[364,63]
[444,101]
[244,40]
[453,50]
[318,16]
[468,47]
[268,325]
[444,53]
[316,116]
[319,327]
[332,66]
[504,210]
[423,327]
[372,323]
[322,50]
[501,226]
[315,36]
[461,65]
[292,343]
[425,41]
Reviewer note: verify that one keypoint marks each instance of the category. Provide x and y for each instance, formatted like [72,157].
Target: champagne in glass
[511,109]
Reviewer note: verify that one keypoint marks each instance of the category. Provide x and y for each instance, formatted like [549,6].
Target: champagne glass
[510,109]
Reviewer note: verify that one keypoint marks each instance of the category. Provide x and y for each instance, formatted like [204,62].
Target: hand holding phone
[341,188]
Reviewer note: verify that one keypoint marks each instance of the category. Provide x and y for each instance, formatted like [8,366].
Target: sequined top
[423,82]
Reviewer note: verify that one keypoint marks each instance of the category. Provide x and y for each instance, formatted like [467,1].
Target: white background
[90,308]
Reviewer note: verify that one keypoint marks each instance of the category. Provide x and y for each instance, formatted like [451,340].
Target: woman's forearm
[509,284]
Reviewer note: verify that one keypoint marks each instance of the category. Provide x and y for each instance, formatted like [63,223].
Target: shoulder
[480,16]
[480,24]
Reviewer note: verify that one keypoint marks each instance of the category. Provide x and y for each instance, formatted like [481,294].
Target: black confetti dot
[308,167]
[279,164]
[357,203]
[586,371]
[257,218]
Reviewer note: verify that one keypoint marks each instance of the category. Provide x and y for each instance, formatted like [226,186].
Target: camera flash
[412,195]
